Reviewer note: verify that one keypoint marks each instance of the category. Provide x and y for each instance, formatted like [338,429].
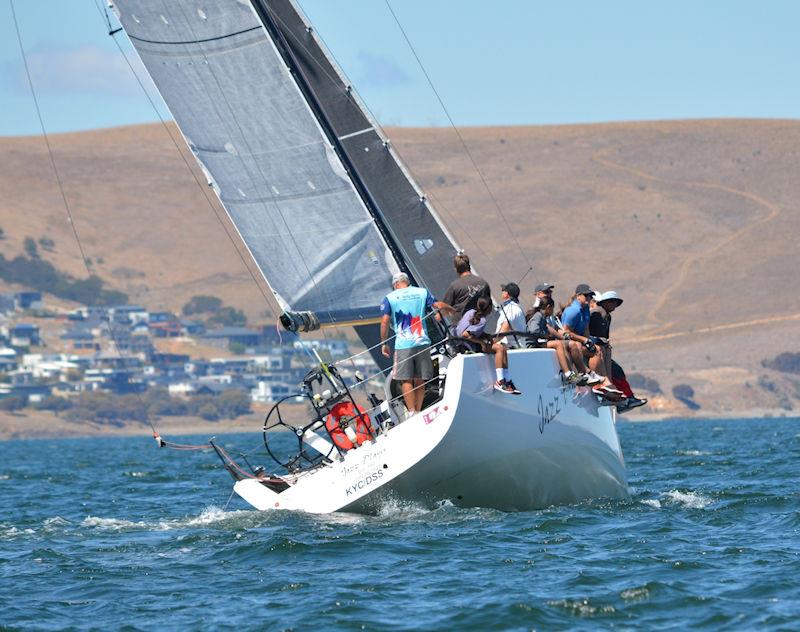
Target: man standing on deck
[464,292]
[404,309]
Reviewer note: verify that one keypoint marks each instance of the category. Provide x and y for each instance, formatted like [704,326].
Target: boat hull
[477,447]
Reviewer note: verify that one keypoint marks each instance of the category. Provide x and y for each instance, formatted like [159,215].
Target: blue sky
[494,63]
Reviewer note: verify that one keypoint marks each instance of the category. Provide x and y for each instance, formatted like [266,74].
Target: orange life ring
[363,426]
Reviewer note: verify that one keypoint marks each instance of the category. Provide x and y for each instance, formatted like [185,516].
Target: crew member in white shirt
[512,318]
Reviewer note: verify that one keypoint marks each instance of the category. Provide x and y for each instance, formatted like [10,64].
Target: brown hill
[693,222]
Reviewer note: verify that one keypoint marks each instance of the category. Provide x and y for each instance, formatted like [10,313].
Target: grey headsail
[314,190]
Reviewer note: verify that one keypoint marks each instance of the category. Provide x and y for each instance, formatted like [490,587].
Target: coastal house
[191,327]
[270,392]
[28,300]
[118,381]
[128,314]
[24,335]
[225,336]
[80,338]
[166,329]
[160,317]
[31,392]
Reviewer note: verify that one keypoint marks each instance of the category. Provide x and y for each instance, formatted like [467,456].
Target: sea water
[117,534]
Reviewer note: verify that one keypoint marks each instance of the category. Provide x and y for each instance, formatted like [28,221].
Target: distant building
[166,329]
[28,300]
[191,327]
[160,317]
[80,339]
[224,336]
[269,392]
[24,335]
[128,314]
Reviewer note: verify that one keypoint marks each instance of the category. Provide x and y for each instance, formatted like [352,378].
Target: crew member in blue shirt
[575,320]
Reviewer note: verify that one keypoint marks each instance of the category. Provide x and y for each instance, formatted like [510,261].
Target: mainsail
[315,191]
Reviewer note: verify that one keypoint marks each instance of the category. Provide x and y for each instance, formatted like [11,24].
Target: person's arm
[448,310]
[385,350]
[386,310]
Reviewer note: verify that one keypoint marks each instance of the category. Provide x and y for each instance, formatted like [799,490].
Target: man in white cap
[404,309]
[600,327]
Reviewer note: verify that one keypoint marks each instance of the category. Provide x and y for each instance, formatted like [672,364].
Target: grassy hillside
[693,222]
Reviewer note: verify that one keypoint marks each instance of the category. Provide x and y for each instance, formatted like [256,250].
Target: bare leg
[560,354]
[500,356]
[596,363]
[408,394]
[576,352]
[419,394]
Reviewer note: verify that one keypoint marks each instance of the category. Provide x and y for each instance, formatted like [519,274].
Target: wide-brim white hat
[608,296]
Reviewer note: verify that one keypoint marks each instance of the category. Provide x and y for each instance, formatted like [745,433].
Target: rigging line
[64,198]
[258,167]
[203,187]
[458,132]
[405,165]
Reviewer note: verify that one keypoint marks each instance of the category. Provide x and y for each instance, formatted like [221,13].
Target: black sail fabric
[419,239]
[265,153]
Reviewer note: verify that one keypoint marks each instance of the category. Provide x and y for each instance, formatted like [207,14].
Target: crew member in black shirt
[464,292]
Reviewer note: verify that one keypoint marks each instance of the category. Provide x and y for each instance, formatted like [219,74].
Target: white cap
[400,276]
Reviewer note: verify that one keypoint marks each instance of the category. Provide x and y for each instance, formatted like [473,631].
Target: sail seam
[197,41]
[358,133]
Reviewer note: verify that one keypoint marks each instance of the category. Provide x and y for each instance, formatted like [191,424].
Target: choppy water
[113,533]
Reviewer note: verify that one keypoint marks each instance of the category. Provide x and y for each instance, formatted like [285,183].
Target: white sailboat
[329,214]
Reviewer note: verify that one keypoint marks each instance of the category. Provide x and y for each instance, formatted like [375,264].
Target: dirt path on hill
[773,210]
[706,330]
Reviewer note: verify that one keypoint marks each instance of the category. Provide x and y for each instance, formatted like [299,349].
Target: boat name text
[367,480]
[548,411]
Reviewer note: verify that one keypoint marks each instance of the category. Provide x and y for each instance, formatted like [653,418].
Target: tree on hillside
[228,317]
[30,248]
[47,244]
[202,304]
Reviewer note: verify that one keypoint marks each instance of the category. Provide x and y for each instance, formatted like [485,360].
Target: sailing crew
[464,292]
[404,309]
[548,337]
[511,319]
[600,326]
[472,325]
[542,291]
[575,320]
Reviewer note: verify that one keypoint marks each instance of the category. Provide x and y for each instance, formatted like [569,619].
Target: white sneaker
[592,378]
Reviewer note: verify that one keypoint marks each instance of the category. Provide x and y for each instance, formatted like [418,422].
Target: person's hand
[385,350]
[590,346]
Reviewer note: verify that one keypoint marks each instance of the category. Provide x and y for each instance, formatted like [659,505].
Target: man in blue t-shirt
[576,327]
[404,309]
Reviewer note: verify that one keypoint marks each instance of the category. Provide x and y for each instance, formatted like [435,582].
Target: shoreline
[16,426]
